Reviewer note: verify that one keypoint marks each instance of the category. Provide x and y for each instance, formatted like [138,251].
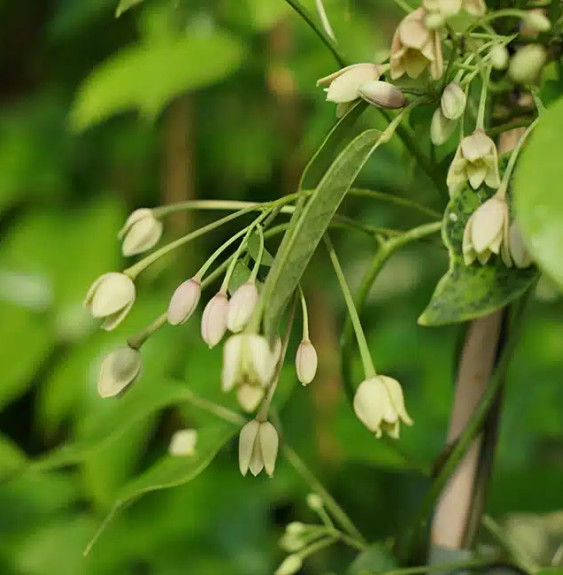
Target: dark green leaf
[538,200]
[467,292]
[241,273]
[124,5]
[375,559]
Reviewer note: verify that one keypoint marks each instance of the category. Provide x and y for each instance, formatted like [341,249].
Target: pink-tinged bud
[306,362]
[184,301]
[140,233]
[119,370]
[214,320]
[382,95]
[258,447]
[241,306]
[111,297]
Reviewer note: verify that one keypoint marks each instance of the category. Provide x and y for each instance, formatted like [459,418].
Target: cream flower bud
[119,370]
[247,360]
[344,85]
[380,406]
[536,21]
[184,301]
[518,250]
[415,48]
[258,447]
[526,65]
[111,297]
[453,101]
[183,443]
[444,8]
[306,362]
[315,502]
[214,320]
[290,565]
[485,231]
[241,306]
[476,160]
[140,233]
[499,57]
[441,128]
[249,397]
[382,95]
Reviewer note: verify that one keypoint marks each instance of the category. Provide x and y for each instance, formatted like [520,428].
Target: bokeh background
[74,163]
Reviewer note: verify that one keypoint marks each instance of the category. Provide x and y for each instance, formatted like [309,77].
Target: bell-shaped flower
[111,297]
[183,443]
[518,251]
[184,301]
[344,85]
[141,232]
[119,370]
[258,447]
[415,47]
[247,360]
[242,306]
[214,319]
[476,160]
[382,95]
[306,362]
[485,231]
[249,397]
[380,406]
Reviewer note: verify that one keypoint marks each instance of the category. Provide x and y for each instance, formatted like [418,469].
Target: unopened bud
[119,370]
[536,21]
[258,447]
[241,306]
[290,565]
[214,319]
[434,20]
[184,301]
[296,528]
[306,362]
[140,233]
[249,397]
[499,57]
[518,251]
[526,65]
[183,443]
[382,95]
[453,101]
[314,502]
[441,128]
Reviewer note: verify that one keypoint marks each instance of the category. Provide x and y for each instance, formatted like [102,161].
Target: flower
[485,231]
[119,370]
[344,85]
[111,297]
[379,405]
[306,362]
[241,306]
[249,397]
[258,447]
[453,101]
[140,233]
[517,249]
[448,8]
[415,48]
[183,443]
[214,319]
[476,160]
[184,301]
[247,359]
[382,95]
[290,565]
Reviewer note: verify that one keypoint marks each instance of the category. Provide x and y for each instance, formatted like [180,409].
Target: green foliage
[124,5]
[375,559]
[468,292]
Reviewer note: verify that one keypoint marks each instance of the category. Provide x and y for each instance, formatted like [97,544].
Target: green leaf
[538,200]
[124,5]
[241,273]
[254,250]
[467,292]
[375,559]
[147,76]
[294,255]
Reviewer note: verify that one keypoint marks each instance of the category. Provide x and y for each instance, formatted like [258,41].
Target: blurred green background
[199,100]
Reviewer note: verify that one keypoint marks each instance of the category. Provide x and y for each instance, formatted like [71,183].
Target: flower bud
[258,447]
[453,101]
[183,443]
[344,85]
[214,320]
[536,21]
[241,306]
[526,65]
[247,359]
[315,502]
[382,95]
[184,301]
[277,349]
[441,128]
[518,251]
[249,397]
[119,370]
[140,233]
[111,297]
[443,8]
[499,57]
[290,565]
[485,231]
[306,362]
[380,406]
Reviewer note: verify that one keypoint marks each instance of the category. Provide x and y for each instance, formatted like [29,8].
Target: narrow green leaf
[254,250]
[124,5]
[241,273]
[467,292]
[375,559]
[293,257]
[538,200]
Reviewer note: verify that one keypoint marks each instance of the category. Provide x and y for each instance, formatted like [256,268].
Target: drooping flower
[241,306]
[380,406]
[184,301]
[111,297]
[140,233]
[119,370]
[258,447]
[344,85]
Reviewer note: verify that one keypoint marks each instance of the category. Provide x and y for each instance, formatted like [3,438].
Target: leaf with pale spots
[468,292]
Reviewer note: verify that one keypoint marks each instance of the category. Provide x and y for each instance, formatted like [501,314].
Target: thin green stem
[305,314]
[394,200]
[483,100]
[403,5]
[505,13]
[233,261]
[369,368]
[442,567]
[258,260]
[497,130]
[137,340]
